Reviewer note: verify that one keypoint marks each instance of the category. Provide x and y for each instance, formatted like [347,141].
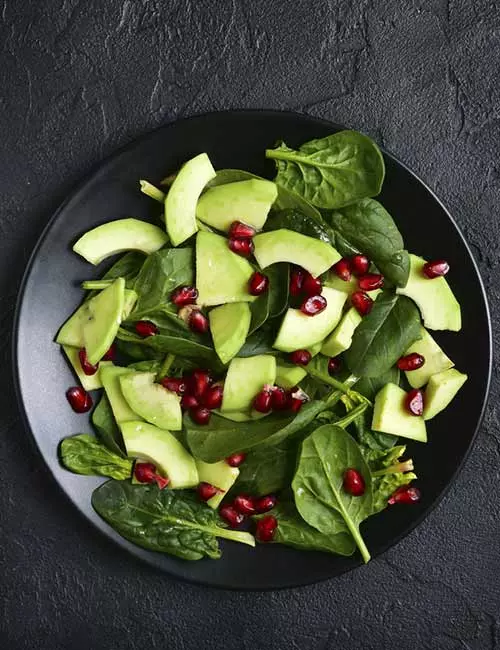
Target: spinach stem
[351,415]
[90,285]
[166,365]
[343,387]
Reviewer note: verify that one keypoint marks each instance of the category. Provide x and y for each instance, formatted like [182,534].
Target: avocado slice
[299,331]
[288,376]
[391,416]
[158,446]
[117,237]
[440,391]
[249,200]
[439,307]
[151,401]
[219,474]
[180,204]
[285,245]
[89,382]
[341,337]
[229,325]
[348,287]
[221,275]
[110,377]
[245,378]
[435,360]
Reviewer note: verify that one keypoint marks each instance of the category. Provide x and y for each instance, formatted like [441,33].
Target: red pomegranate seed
[411,361]
[88,368]
[361,302]
[244,504]
[174,384]
[264,504]
[198,381]
[206,491]
[359,264]
[334,365]
[414,401]
[229,513]
[436,269]
[295,404]
[240,230]
[185,295]
[266,528]
[262,401]
[300,357]
[212,397]
[146,328]
[296,281]
[198,322]
[235,460]
[353,482]
[371,281]
[279,399]
[311,286]
[79,400]
[313,305]
[189,402]
[343,269]
[257,284]
[146,473]
[242,247]
[110,354]
[200,415]
[405,494]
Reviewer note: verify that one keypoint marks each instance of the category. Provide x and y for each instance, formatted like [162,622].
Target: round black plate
[50,292]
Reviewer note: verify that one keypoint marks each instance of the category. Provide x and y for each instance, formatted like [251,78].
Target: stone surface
[77,80]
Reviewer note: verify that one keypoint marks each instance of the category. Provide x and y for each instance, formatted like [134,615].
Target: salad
[259,358]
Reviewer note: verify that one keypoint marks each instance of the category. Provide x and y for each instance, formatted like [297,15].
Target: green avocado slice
[151,401]
[391,416]
[229,325]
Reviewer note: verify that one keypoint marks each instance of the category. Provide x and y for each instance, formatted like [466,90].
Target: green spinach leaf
[274,301]
[127,267]
[84,454]
[293,219]
[261,341]
[106,427]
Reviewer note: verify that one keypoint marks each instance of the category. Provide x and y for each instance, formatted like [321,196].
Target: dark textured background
[78,78]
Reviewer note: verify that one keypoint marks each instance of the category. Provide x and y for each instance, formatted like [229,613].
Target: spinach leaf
[163,520]
[136,351]
[84,454]
[261,341]
[268,469]
[369,228]
[383,335]
[127,267]
[370,386]
[331,172]
[274,301]
[106,427]
[317,485]
[146,366]
[293,219]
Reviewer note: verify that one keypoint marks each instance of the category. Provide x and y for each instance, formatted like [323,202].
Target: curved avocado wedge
[158,446]
[341,338]
[89,382]
[180,204]
[245,378]
[285,245]
[435,360]
[117,237]
[110,376]
[229,325]
[440,391]
[151,401]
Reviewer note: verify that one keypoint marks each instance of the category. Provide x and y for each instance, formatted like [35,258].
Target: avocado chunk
[391,416]
[117,237]
[341,338]
[229,325]
[245,378]
[247,201]
[299,331]
[110,377]
[89,382]
[288,376]
[285,245]
[180,204]
[151,401]
[435,360]
[439,307]
[158,446]
[219,474]
[221,275]
[440,391]
[348,287]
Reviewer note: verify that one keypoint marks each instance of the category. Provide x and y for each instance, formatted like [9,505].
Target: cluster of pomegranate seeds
[353,482]
[359,265]
[231,516]
[240,230]
[371,281]
[258,284]
[185,295]
[304,285]
[146,328]
[414,401]
[240,239]
[334,365]
[362,302]
[110,354]
[343,269]
[206,491]
[411,361]
[313,305]
[174,384]
[436,269]
[146,473]
[88,368]
[79,400]
[266,528]
[212,397]
[185,298]
[300,357]
[404,494]
[275,398]
[235,460]
[244,506]
[199,394]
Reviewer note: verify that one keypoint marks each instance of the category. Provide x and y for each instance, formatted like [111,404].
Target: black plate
[50,292]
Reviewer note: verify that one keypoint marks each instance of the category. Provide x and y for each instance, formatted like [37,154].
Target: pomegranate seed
[110,354]
[266,528]
[343,269]
[353,482]
[212,397]
[313,305]
[229,513]
[200,415]
[411,361]
[235,460]
[301,357]
[174,384]
[242,247]
[279,399]
[262,401]
[334,365]
[244,504]
[240,230]
[359,264]
[185,295]
[264,504]
[79,400]
[436,269]
[258,284]
[414,401]
[189,402]
[206,491]
[361,302]
[88,368]
[146,473]
[311,286]
[146,328]
[198,382]
[198,322]
[405,494]
[295,404]
[371,281]
[296,281]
